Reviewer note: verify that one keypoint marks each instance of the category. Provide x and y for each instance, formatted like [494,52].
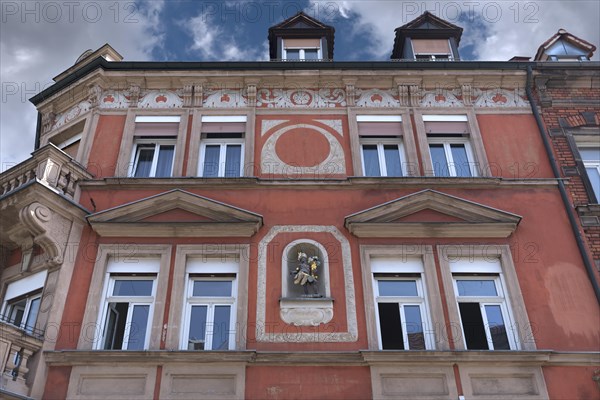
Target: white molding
[224,118]
[379,118]
[287,337]
[158,118]
[444,118]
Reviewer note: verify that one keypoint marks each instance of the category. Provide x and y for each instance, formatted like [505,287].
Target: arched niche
[296,308]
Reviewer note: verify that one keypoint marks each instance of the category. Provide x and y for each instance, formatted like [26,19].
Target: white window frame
[133,301]
[223,143]
[500,300]
[157,144]
[381,142]
[302,56]
[402,301]
[211,302]
[29,297]
[447,141]
[591,164]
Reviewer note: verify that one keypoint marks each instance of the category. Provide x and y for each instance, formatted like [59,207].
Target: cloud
[212,43]
[40,39]
[510,28]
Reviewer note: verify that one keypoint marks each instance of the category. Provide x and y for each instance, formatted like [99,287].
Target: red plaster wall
[280,382]
[572,383]
[558,296]
[107,142]
[513,146]
[57,383]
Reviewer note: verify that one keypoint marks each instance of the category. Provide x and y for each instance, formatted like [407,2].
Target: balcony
[48,166]
[17,346]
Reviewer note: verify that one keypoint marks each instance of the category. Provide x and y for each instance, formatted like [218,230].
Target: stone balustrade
[16,348]
[49,166]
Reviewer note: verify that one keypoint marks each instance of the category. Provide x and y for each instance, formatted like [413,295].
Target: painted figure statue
[306,274]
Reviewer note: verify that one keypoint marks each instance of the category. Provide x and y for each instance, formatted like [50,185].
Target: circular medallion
[302,147]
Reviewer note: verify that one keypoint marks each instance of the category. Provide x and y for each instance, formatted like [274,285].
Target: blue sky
[40,39]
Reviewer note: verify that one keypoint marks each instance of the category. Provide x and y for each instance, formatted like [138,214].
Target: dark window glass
[461,162]
[133,288]
[212,288]
[221,328]
[414,327]
[233,155]
[165,161]
[115,326]
[472,322]
[390,326]
[482,288]
[139,325]
[144,161]
[197,335]
[497,327]
[392,160]
[371,158]
[311,54]
[211,161]
[438,159]
[293,54]
[397,288]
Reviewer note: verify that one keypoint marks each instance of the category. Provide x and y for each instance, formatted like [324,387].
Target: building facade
[299,228]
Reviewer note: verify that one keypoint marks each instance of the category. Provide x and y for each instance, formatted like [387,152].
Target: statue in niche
[306,274]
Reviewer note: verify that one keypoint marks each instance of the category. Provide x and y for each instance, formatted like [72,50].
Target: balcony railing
[49,166]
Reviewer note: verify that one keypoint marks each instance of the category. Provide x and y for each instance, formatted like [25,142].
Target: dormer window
[302,49]
[565,47]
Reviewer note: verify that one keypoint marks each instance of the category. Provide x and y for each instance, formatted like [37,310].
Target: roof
[431,18]
[566,36]
[300,25]
[435,27]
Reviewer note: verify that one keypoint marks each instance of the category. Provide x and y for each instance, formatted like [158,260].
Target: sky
[40,39]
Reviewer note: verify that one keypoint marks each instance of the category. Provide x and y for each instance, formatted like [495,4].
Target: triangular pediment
[174,214]
[300,21]
[428,21]
[432,214]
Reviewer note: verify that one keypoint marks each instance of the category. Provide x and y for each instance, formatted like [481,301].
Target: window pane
[390,326]
[414,327]
[220,339]
[476,288]
[311,54]
[590,153]
[594,177]
[472,322]
[392,160]
[397,288]
[133,288]
[233,160]
[371,160]
[139,325]
[212,288]
[34,308]
[211,161]
[461,162]
[293,54]
[144,161]
[197,328]
[165,161]
[115,326]
[438,159]
[16,312]
[497,327]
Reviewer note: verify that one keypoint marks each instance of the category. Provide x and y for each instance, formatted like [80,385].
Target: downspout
[561,186]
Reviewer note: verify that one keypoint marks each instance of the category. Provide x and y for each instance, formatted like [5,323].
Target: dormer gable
[564,46]
[301,38]
[176,213]
[430,213]
[427,38]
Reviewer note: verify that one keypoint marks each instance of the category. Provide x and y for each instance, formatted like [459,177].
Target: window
[302,49]
[154,146]
[71,145]
[483,312]
[153,158]
[382,152]
[222,146]
[211,312]
[449,149]
[210,304]
[128,306]
[590,156]
[22,301]
[400,304]
[432,49]
[23,311]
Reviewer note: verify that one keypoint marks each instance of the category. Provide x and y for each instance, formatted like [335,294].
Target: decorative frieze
[500,98]
[225,98]
[298,98]
[71,114]
[377,98]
